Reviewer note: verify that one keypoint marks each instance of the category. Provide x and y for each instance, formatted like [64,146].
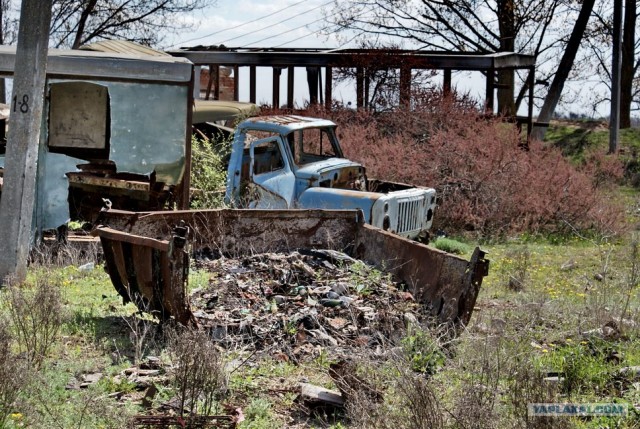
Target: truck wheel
[423,237]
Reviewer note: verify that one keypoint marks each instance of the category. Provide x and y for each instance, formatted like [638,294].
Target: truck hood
[320,168]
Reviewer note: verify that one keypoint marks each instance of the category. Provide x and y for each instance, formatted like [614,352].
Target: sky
[285,23]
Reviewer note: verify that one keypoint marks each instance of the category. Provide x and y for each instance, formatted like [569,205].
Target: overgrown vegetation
[208,172]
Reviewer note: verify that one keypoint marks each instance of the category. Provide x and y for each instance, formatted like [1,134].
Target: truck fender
[331,198]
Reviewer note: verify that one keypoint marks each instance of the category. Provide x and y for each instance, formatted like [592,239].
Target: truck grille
[410,214]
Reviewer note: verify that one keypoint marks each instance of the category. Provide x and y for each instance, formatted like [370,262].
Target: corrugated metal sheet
[123,47]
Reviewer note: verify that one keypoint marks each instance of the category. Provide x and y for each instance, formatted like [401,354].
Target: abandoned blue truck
[284,162]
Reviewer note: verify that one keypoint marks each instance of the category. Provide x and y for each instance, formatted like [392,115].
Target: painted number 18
[22,105]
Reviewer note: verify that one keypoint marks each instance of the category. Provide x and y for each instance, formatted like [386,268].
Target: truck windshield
[312,145]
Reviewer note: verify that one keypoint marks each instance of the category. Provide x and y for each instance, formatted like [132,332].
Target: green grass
[576,138]
[452,246]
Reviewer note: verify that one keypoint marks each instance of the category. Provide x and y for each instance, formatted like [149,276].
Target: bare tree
[78,22]
[566,63]
[465,25]
[599,39]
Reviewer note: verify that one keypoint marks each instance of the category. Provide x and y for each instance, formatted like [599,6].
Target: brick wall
[227,83]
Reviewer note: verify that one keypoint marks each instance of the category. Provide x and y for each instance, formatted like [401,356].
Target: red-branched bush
[487,184]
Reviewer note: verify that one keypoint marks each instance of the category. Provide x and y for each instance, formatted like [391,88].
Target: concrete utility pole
[614,118]
[21,158]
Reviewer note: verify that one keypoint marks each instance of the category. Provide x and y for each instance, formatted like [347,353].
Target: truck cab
[286,162]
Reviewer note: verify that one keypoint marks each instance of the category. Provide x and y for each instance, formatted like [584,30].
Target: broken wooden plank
[314,395]
[113,234]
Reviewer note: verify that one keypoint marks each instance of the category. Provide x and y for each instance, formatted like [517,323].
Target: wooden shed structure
[360,59]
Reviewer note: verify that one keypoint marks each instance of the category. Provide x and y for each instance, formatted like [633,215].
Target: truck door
[272,180]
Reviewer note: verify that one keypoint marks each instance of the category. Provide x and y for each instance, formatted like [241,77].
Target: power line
[241,25]
[309,34]
[317,32]
[278,23]
[285,32]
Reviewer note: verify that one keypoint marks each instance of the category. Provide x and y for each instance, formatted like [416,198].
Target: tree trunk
[626,72]
[566,62]
[77,42]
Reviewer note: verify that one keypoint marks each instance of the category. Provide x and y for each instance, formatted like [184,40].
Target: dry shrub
[486,182]
[419,401]
[13,373]
[61,253]
[198,374]
[142,330]
[36,316]
[526,385]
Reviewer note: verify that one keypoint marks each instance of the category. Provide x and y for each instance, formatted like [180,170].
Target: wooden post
[405,87]
[236,83]
[320,85]
[21,158]
[290,75]
[276,88]
[489,96]
[446,82]
[328,87]
[184,192]
[216,88]
[359,87]
[367,85]
[252,84]
[532,72]
[212,69]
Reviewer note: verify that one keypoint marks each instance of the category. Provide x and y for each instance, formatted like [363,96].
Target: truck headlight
[386,223]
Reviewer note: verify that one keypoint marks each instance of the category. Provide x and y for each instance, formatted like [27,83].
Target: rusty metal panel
[446,283]
[241,231]
[83,178]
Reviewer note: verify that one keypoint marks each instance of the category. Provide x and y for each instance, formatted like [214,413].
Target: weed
[36,316]
[517,263]
[584,367]
[142,330]
[51,407]
[14,374]
[198,373]
[526,385]
[116,384]
[208,174]
[258,415]
[451,246]
[633,275]
[420,404]
[423,351]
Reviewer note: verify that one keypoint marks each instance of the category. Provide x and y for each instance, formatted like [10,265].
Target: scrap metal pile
[293,304]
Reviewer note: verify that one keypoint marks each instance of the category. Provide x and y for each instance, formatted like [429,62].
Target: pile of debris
[297,303]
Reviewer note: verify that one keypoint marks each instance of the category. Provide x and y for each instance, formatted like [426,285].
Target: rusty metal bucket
[147,254]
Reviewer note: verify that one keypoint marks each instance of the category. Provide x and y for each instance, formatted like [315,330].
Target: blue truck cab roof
[283,124]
